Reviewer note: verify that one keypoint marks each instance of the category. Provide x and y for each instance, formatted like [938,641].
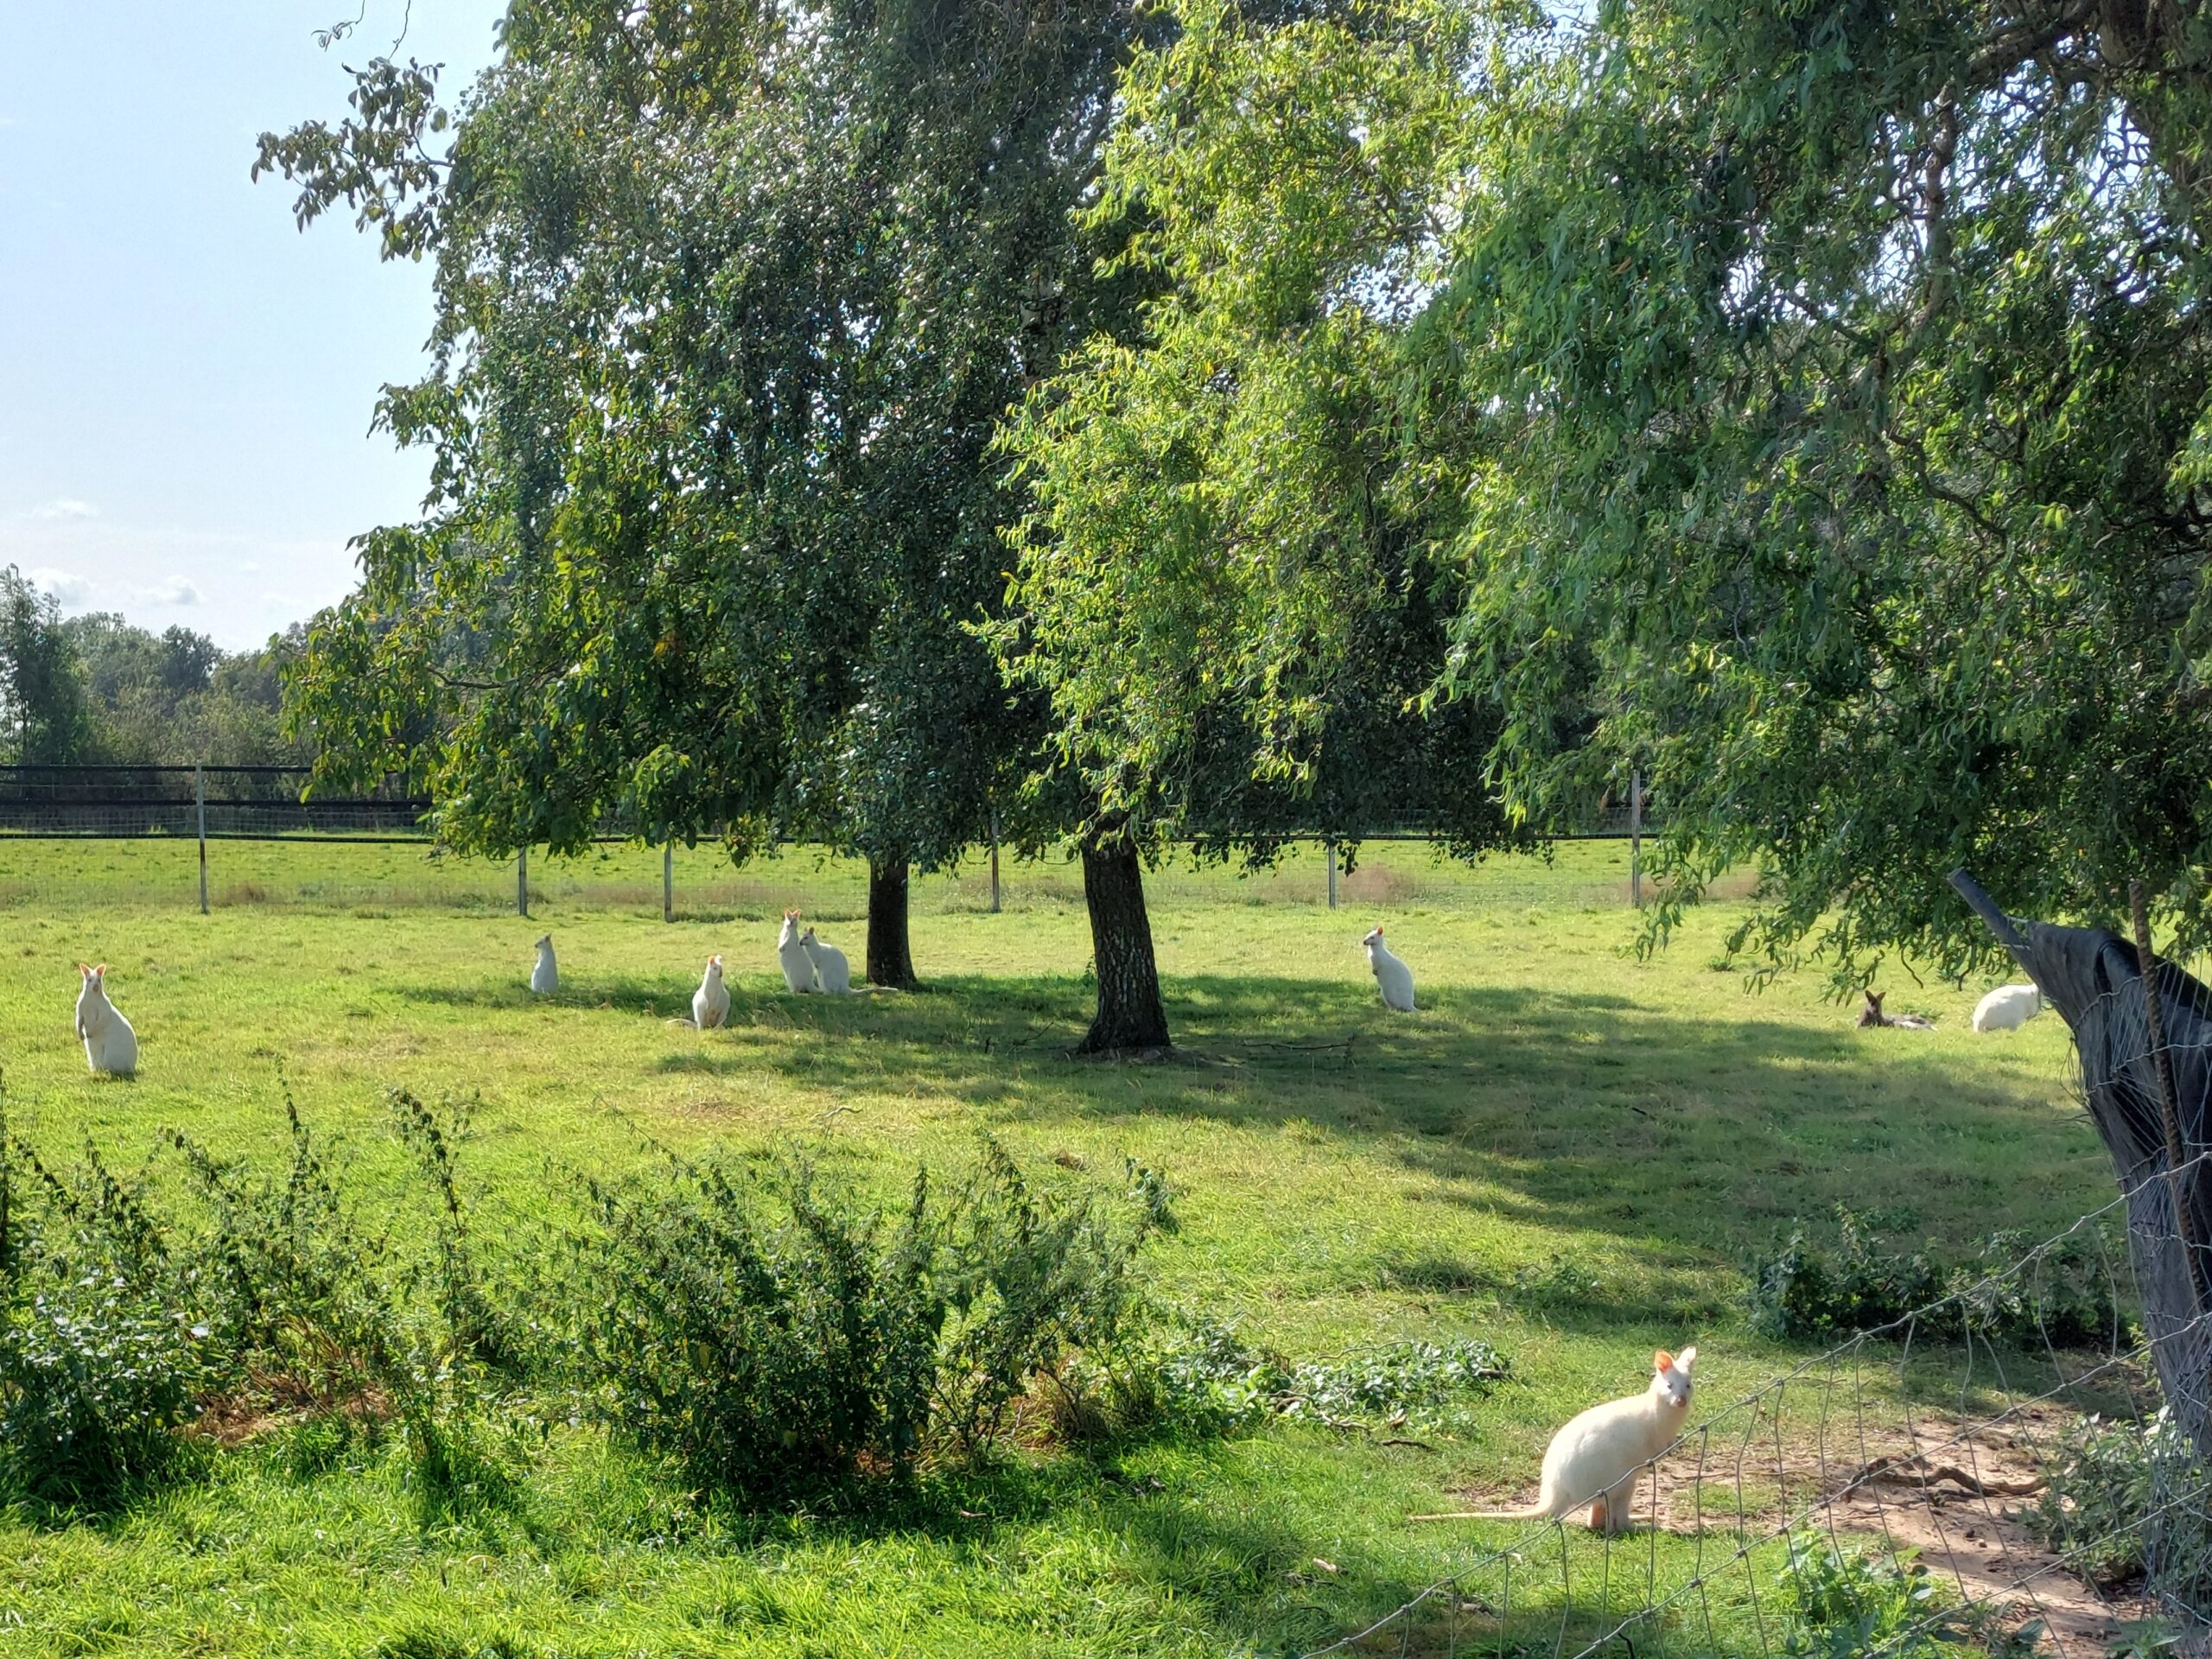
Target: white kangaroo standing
[545,978]
[791,957]
[1596,1459]
[710,1002]
[2007,1009]
[1390,973]
[831,971]
[111,1045]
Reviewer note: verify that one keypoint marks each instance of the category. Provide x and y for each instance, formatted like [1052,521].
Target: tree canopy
[729,303]
[1833,383]
[1229,579]
[1806,406]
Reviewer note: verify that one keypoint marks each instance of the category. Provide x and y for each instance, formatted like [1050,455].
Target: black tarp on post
[2092,977]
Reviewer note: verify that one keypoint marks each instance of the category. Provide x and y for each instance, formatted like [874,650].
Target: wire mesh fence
[2000,1471]
[254,838]
[220,802]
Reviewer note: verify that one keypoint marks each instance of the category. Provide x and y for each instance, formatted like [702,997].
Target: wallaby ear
[101,969]
[1662,1360]
[1687,1358]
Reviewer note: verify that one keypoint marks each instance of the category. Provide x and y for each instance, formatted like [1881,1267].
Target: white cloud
[62,585]
[64,507]
[177,590]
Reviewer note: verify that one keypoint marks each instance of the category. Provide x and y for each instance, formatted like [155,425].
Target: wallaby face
[1670,1378]
[1872,1014]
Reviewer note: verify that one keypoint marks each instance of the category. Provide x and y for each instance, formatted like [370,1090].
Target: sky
[186,378]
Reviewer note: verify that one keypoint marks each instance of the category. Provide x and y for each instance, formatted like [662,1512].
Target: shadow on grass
[1694,1137]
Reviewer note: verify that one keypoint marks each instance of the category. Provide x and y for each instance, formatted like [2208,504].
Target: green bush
[2130,1503]
[1847,1603]
[775,1339]
[103,1350]
[124,1322]
[2062,1298]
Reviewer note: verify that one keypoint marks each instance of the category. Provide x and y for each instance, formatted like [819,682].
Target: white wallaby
[111,1045]
[710,1002]
[791,957]
[2007,1009]
[545,978]
[1596,1459]
[831,971]
[1390,973]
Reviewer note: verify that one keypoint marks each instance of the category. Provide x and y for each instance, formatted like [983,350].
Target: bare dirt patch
[1955,1497]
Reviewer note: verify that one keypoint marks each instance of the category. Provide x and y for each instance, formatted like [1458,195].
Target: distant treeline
[94,688]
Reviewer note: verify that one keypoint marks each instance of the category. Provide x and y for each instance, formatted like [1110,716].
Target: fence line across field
[1854,1453]
[268,803]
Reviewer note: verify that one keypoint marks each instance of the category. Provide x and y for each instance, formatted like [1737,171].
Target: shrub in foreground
[1845,1603]
[103,1351]
[2130,1503]
[774,1337]
[124,1320]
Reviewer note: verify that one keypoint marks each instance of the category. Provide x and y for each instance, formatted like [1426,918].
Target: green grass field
[1568,1152]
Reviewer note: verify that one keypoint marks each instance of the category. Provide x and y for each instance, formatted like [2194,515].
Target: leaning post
[200,799]
[668,881]
[522,882]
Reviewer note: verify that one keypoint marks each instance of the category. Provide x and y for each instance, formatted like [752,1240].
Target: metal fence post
[995,861]
[1636,839]
[522,882]
[668,881]
[1329,852]
[200,799]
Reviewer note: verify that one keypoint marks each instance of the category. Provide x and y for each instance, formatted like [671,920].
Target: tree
[43,714]
[1227,580]
[176,698]
[729,303]
[1834,387]
[1833,383]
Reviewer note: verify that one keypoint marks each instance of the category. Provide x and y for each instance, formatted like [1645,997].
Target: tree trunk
[890,959]
[1130,1018]
[2094,980]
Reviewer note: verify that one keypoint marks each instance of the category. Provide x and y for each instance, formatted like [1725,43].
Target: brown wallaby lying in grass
[1872,1014]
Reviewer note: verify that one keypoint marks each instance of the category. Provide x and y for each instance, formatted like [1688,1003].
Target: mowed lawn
[1568,1152]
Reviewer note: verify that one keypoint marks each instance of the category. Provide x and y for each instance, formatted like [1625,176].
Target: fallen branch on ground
[1916,1471]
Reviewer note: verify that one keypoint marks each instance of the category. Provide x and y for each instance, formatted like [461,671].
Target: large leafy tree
[729,301]
[1816,397]
[1833,382]
[1229,582]
[1834,385]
